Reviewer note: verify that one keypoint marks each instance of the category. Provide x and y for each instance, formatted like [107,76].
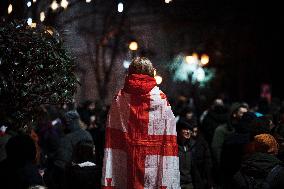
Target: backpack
[258,182]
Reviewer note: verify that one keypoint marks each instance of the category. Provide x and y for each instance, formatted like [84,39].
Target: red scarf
[139,84]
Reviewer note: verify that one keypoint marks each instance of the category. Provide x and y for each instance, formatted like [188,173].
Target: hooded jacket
[259,166]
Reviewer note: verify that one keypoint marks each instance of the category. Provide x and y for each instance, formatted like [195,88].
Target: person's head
[266,143]
[195,132]
[184,130]
[238,110]
[141,65]
[260,125]
[21,149]
[72,120]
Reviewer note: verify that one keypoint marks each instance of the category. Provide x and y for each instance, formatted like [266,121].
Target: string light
[64,4]
[29,3]
[133,46]
[54,5]
[168,1]
[88,1]
[204,59]
[34,1]
[120,7]
[10,8]
[33,25]
[158,79]
[42,16]
[30,21]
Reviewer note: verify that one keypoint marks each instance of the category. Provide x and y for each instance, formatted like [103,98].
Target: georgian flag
[141,150]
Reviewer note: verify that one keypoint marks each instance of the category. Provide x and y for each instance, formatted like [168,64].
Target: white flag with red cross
[141,150]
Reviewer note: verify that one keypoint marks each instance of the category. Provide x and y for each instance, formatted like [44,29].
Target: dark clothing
[98,135]
[19,177]
[185,164]
[232,154]
[211,121]
[82,177]
[201,156]
[189,173]
[257,167]
[64,155]
[65,151]
[220,135]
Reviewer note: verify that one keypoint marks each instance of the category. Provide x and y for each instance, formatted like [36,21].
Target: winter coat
[83,177]
[211,121]
[257,167]
[190,168]
[67,143]
[201,156]
[220,135]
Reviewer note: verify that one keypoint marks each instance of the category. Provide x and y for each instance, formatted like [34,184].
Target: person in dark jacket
[83,173]
[18,170]
[221,133]
[234,147]
[54,173]
[262,169]
[201,156]
[189,176]
[216,115]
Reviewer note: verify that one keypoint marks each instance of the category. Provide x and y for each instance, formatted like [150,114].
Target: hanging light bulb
[120,7]
[159,79]
[34,1]
[64,4]
[30,21]
[10,8]
[88,1]
[42,16]
[29,4]
[54,5]
[204,59]
[133,46]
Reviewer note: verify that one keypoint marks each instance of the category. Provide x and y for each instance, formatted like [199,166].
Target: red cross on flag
[141,150]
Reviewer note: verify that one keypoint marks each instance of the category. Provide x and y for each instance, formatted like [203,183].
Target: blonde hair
[141,65]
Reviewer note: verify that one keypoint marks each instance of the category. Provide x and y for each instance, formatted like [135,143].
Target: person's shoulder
[221,127]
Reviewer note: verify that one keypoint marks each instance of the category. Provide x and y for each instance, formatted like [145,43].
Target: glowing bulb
[168,1]
[195,55]
[54,5]
[126,64]
[34,1]
[190,59]
[64,4]
[159,79]
[133,46]
[120,7]
[10,8]
[88,1]
[33,25]
[42,16]
[30,21]
[204,59]
[29,4]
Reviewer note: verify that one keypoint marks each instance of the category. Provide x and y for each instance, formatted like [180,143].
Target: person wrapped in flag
[141,149]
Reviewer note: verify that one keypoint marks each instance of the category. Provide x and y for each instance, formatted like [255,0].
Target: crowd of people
[226,146]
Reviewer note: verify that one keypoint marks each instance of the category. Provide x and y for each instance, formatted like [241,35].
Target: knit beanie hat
[72,119]
[266,143]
